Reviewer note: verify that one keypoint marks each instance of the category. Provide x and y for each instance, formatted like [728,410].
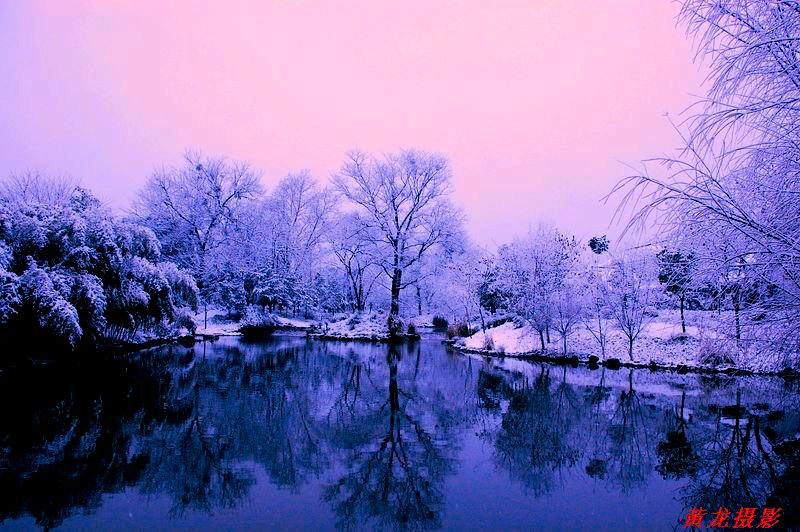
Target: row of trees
[383,233]
[553,284]
[303,247]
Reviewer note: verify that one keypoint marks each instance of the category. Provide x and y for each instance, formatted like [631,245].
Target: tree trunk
[419,301]
[541,339]
[602,338]
[736,308]
[565,344]
[360,303]
[630,347]
[483,323]
[683,319]
[394,308]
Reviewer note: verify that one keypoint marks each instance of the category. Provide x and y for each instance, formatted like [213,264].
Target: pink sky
[537,103]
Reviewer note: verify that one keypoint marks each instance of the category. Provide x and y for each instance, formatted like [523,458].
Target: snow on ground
[219,325]
[661,342]
[507,338]
[295,323]
[423,320]
[363,325]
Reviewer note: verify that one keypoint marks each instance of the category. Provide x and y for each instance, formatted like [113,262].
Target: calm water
[293,434]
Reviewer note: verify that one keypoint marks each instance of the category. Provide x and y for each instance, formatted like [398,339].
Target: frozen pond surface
[293,434]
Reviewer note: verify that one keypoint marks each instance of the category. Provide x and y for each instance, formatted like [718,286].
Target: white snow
[296,323]
[661,341]
[363,325]
[218,325]
[506,337]
[423,320]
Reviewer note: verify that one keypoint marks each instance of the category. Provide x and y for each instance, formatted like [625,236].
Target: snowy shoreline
[583,359]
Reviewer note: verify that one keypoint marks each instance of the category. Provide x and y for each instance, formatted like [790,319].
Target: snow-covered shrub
[41,301]
[5,256]
[89,299]
[394,324]
[184,319]
[72,274]
[500,348]
[412,329]
[9,296]
[182,285]
[257,318]
[329,292]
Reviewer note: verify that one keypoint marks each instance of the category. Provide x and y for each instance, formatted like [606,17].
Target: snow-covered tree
[303,210]
[595,315]
[194,209]
[34,188]
[676,274]
[403,199]
[532,270]
[492,296]
[734,186]
[279,247]
[631,294]
[568,309]
[457,285]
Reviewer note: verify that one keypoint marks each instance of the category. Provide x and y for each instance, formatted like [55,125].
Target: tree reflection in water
[613,434]
[536,440]
[378,429]
[399,441]
[736,462]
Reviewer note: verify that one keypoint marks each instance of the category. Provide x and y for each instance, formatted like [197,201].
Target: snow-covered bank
[361,326]
[217,324]
[371,326]
[661,343]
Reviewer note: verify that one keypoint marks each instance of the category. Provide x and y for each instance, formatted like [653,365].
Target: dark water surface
[293,434]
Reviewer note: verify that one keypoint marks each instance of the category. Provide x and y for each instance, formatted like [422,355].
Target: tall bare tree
[404,199]
[631,295]
[193,209]
[303,210]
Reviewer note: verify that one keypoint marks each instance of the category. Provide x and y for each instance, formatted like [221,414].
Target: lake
[292,434]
